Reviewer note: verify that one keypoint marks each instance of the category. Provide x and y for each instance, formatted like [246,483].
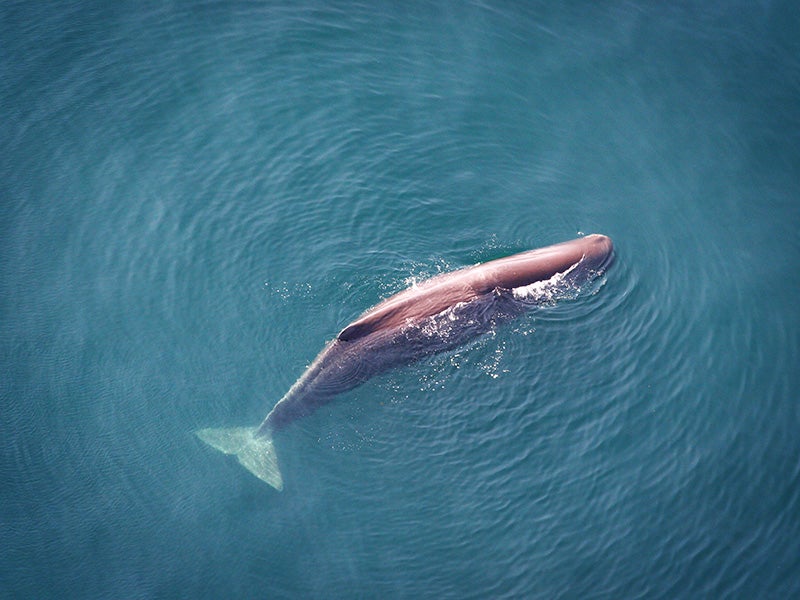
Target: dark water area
[196,196]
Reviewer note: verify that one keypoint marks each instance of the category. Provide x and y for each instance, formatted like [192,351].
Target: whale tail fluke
[255,452]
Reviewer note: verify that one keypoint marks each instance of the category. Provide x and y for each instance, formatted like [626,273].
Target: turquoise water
[196,196]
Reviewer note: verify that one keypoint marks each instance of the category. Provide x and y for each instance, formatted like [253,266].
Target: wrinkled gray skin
[436,315]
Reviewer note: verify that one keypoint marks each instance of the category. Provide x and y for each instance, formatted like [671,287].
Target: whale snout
[599,250]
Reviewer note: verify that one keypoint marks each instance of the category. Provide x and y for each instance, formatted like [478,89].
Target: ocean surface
[196,196]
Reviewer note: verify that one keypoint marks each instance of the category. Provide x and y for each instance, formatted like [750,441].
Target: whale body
[433,316]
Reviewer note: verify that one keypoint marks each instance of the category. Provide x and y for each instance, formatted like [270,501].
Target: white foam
[559,286]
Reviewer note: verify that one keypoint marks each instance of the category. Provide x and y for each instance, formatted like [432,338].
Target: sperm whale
[435,315]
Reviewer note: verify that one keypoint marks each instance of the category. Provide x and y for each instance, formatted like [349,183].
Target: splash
[561,286]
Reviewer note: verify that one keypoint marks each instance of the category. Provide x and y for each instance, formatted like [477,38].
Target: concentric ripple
[196,197]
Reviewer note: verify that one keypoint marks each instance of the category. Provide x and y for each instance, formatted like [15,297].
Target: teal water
[196,196]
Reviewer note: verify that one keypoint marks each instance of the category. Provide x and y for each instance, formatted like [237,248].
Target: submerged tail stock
[256,453]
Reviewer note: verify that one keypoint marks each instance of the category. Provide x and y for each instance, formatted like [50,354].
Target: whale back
[443,291]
